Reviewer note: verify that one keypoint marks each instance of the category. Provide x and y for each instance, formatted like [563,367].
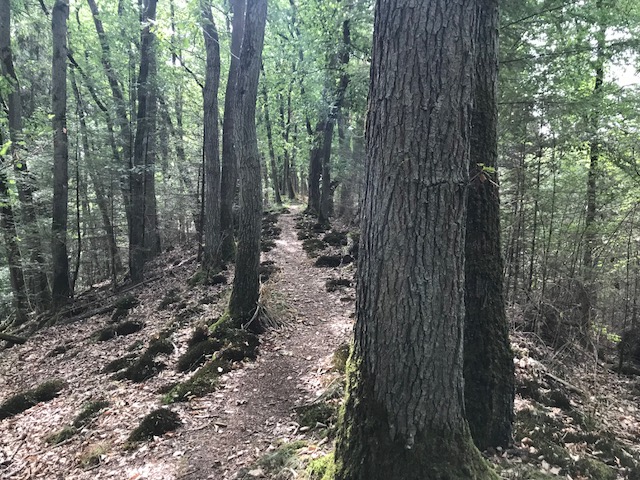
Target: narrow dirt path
[254,406]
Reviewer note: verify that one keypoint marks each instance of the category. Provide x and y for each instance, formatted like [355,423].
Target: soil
[250,413]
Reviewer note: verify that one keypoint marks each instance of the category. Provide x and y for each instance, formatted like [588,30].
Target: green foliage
[322,468]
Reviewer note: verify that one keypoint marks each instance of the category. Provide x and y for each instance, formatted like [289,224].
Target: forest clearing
[321,240]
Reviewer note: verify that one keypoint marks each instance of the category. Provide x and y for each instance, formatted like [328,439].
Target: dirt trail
[255,404]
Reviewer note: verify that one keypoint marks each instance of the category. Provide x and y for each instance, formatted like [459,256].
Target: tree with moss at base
[404,414]
[246,284]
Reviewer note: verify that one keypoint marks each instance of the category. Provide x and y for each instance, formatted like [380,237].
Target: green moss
[197,354]
[202,382]
[120,329]
[340,357]
[158,346]
[313,245]
[91,457]
[89,411]
[314,413]
[323,468]
[595,469]
[142,369]
[156,423]
[65,434]
[336,238]
[119,363]
[23,401]
[282,457]
[171,297]
[127,302]
[199,334]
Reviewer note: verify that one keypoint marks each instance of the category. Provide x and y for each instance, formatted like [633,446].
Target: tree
[488,360]
[404,413]
[246,284]
[211,221]
[61,289]
[34,274]
[229,175]
[139,243]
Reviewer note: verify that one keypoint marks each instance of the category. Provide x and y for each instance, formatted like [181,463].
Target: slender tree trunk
[122,118]
[246,291]
[315,169]
[61,290]
[229,176]
[590,228]
[152,240]
[404,412]
[35,273]
[211,259]
[272,156]
[137,243]
[115,263]
[488,360]
[12,248]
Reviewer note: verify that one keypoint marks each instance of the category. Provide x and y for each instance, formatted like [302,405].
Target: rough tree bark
[246,285]
[229,176]
[61,289]
[137,244]
[35,273]
[272,155]
[404,412]
[488,360]
[211,249]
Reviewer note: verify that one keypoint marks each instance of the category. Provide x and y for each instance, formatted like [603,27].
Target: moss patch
[266,270]
[65,434]
[23,401]
[336,238]
[155,424]
[336,283]
[330,261]
[313,245]
[119,363]
[316,413]
[92,455]
[197,354]
[340,357]
[118,330]
[323,468]
[89,411]
[171,297]
[282,457]
[204,381]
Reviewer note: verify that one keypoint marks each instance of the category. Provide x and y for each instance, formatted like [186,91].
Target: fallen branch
[12,338]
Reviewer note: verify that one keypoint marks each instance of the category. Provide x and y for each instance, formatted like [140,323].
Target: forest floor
[273,417]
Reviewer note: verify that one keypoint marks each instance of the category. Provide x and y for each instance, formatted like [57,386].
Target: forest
[320,239]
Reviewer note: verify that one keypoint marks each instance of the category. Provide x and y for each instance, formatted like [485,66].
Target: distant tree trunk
[246,291]
[34,274]
[115,263]
[12,248]
[285,126]
[488,360]
[315,169]
[137,244]
[152,239]
[122,118]
[61,290]
[404,412]
[272,156]
[229,176]
[211,249]
[590,294]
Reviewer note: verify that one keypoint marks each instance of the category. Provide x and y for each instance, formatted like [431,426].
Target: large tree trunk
[211,249]
[488,360]
[315,169]
[229,176]
[34,272]
[61,290]
[137,230]
[404,413]
[246,285]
